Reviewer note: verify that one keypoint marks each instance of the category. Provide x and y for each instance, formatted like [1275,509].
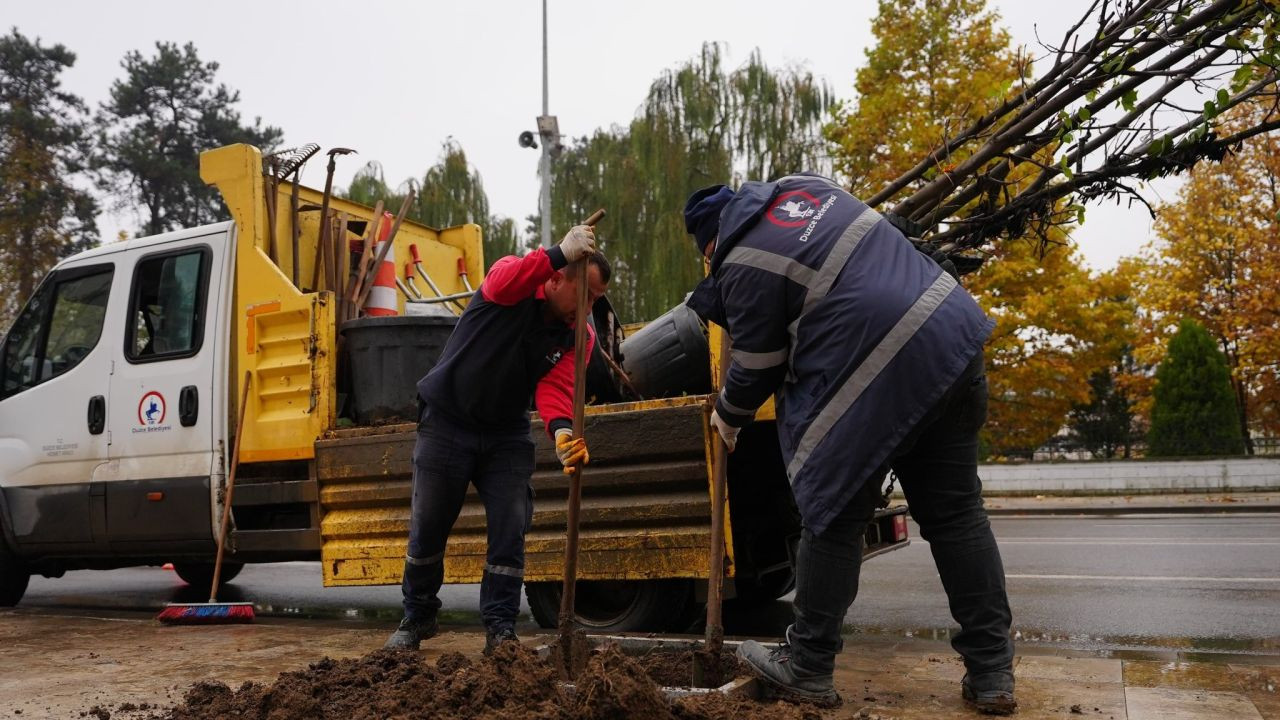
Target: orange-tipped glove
[571,450]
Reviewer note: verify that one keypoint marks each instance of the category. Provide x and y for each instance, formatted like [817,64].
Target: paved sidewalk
[61,666]
[1126,504]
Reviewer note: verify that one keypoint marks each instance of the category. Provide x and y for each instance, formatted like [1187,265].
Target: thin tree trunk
[1242,411]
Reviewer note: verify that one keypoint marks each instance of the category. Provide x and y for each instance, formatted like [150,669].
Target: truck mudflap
[645,502]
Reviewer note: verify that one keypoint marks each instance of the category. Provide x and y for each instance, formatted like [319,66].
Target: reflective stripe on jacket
[832,309]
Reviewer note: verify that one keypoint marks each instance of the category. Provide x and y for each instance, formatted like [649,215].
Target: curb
[1137,510]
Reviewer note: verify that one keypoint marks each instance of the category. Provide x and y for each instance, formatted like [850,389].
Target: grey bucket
[669,356]
[387,356]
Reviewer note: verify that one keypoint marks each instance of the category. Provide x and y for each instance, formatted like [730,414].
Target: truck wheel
[616,605]
[201,574]
[766,589]
[13,579]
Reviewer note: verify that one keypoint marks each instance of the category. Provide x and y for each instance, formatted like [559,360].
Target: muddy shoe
[411,633]
[784,679]
[494,638]
[990,693]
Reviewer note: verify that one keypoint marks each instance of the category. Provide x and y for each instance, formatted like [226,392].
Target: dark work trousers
[937,466]
[447,458]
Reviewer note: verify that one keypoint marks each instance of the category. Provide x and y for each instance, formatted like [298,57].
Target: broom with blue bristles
[214,612]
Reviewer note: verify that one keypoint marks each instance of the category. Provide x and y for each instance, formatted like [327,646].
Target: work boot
[990,692]
[787,681]
[494,638]
[410,633]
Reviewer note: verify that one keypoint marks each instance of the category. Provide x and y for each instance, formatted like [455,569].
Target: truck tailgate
[645,502]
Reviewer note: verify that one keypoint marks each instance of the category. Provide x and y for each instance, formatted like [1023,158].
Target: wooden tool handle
[382,253]
[575,478]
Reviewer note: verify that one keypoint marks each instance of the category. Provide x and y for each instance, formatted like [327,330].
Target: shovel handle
[575,478]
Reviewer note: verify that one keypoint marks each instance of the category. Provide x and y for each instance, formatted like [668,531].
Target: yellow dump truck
[118,393]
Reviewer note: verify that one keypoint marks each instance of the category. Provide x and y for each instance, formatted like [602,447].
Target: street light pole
[545,166]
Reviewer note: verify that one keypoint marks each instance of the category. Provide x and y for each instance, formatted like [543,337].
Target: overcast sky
[415,73]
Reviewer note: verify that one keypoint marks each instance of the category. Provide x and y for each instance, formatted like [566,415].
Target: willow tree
[450,193]
[700,124]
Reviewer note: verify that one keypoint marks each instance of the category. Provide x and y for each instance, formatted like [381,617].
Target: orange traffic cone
[382,296]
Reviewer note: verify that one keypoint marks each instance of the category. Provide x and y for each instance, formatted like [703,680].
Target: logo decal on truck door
[151,413]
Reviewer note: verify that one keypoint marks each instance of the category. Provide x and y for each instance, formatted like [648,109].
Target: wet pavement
[1138,587]
[67,665]
[1205,584]
[1117,617]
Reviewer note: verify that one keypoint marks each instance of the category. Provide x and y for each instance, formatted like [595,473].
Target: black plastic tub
[386,356]
[669,356]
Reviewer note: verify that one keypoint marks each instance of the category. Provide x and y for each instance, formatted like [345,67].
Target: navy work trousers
[447,458]
[937,466]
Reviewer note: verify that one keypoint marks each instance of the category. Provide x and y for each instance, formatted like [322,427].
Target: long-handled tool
[214,612]
[271,171]
[366,254]
[322,245]
[462,273]
[575,478]
[293,166]
[382,253]
[706,664]
[408,279]
[422,272]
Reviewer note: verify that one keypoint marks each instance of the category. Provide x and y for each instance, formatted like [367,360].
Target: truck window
[58,328]
[167,306]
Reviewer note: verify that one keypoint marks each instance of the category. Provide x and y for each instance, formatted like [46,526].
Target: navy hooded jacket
[835,311]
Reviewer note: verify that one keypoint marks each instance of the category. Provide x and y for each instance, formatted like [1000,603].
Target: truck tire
[605,606]
[13,578]
[201,574]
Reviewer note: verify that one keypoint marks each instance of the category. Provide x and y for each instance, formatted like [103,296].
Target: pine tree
[43,144]
[160,117]
[1195,409]
[1106,425]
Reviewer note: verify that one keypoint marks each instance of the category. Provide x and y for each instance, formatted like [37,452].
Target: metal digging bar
[575,478]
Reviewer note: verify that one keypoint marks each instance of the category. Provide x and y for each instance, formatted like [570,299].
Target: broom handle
[231,486]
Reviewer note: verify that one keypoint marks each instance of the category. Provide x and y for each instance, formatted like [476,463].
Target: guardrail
[1133,477]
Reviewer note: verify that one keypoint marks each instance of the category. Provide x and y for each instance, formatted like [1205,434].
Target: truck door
[53,408]
[163,420]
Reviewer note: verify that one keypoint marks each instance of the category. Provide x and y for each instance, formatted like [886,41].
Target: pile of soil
[676,669]
[512,684]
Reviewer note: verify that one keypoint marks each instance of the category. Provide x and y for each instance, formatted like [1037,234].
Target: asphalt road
[1189,582]
[1192,582]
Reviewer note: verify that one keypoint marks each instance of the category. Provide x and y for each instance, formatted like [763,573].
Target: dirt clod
[1077,710]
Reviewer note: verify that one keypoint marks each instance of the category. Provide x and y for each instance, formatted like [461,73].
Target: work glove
[910,228]
[578,243]
[727,431]
[571,450]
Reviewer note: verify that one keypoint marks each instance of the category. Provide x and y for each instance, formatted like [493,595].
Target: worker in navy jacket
[513,345]
[874,356]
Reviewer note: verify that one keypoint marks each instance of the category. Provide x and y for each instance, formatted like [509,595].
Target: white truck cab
[113,408]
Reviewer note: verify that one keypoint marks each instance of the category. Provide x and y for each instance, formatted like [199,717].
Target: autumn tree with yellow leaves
[937,67]
[1217,261]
